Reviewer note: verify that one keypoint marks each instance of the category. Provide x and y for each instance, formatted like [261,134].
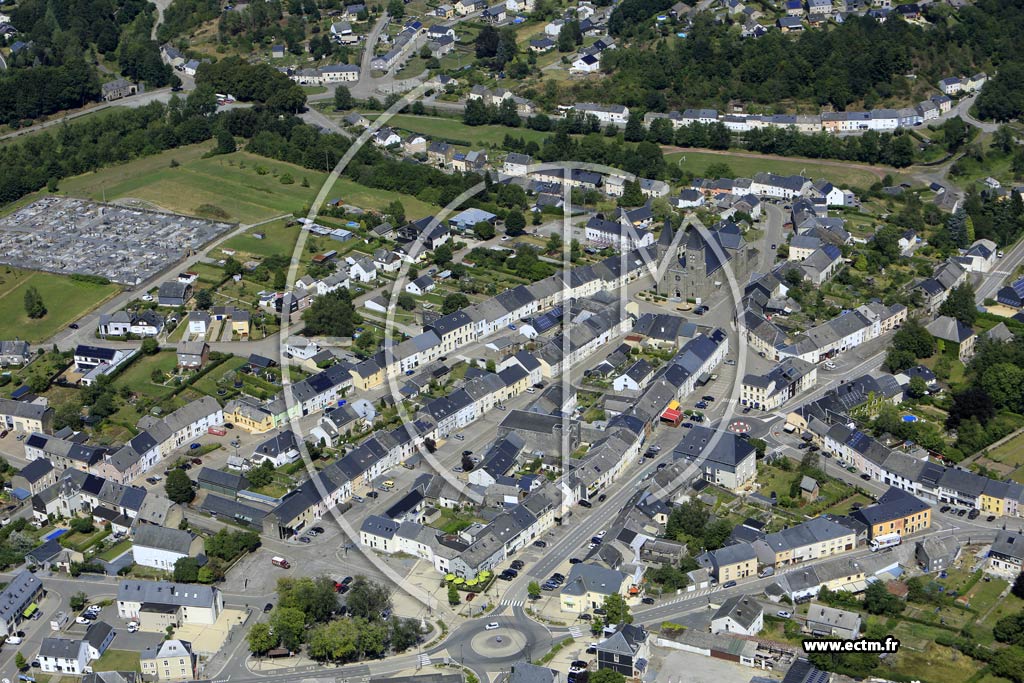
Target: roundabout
[499,644]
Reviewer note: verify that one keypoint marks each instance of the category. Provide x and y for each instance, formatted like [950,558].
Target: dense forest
[859,61]
[56,70]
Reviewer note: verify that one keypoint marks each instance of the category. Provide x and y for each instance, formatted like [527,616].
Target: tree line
[860,60]
[56,71]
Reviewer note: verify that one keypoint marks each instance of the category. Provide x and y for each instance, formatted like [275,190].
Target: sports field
[745,165]
[65,300]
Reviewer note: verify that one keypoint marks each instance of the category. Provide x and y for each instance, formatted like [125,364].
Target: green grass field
[230,182]
[65,300]
[277,240]
[364,197]
[844,174]
[1010,453]
[139,376]
[117,660]
[454,129]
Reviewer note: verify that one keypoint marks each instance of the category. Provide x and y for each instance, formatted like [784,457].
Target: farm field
[65,299]
[224,187]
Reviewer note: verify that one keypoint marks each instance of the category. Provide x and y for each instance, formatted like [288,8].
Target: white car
[147,297]
[13,640]
[784,614]
[491,626]
[93,608]
[133,627]
[82,620]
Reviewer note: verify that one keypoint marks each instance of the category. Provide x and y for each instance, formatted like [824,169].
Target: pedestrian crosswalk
[575,632]
[700,592]
[424,659]
[513,603]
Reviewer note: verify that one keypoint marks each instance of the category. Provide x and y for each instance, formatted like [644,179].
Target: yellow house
[240,324]
[588,585]
[992,503]
[731,562]
[255,417]
[814,539]
[896,512]
[367,375]
[170,660]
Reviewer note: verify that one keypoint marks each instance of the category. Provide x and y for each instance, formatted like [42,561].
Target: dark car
[944,508]
[648,601]
[505,576]
[228,425]
[600,610]
[961,513]
[347,580]
[802,445]
[540,544]
[586,503]
[517,565]
[269,607]
[708,398]
[372,494]
[197,461]
[866,477]
[701,405]
[534,596]
[305,539]
[974,514]
[602,498]
[318,529]
[728,584]
[990,518]
[574,560]
[467,452]
[560,577]
[688,425]
[73,326]
[586,617]
[746,410]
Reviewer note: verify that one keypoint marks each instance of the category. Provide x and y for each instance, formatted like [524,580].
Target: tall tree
[179,487]
[34,306]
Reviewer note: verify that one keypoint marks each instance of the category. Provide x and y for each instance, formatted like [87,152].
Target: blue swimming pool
[56,533]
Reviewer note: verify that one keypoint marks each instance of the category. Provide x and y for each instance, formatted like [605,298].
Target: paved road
[774,220]
[140,100]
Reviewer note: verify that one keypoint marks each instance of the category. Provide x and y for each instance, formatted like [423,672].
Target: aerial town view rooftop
[535,341]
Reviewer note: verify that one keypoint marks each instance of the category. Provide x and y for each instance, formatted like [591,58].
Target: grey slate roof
[162,538]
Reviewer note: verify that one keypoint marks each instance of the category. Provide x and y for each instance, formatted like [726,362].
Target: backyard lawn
[138,377]
[117,660]
[65,299]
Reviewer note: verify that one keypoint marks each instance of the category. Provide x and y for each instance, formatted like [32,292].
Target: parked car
[586,503]
[586,617]
[728,584]
[974,514]
[517,565]
[269,607]
[783,614]
[648,601]
[318,529]
[540,544]
[944,508]
[990,518]
[574,560]
[600,610]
